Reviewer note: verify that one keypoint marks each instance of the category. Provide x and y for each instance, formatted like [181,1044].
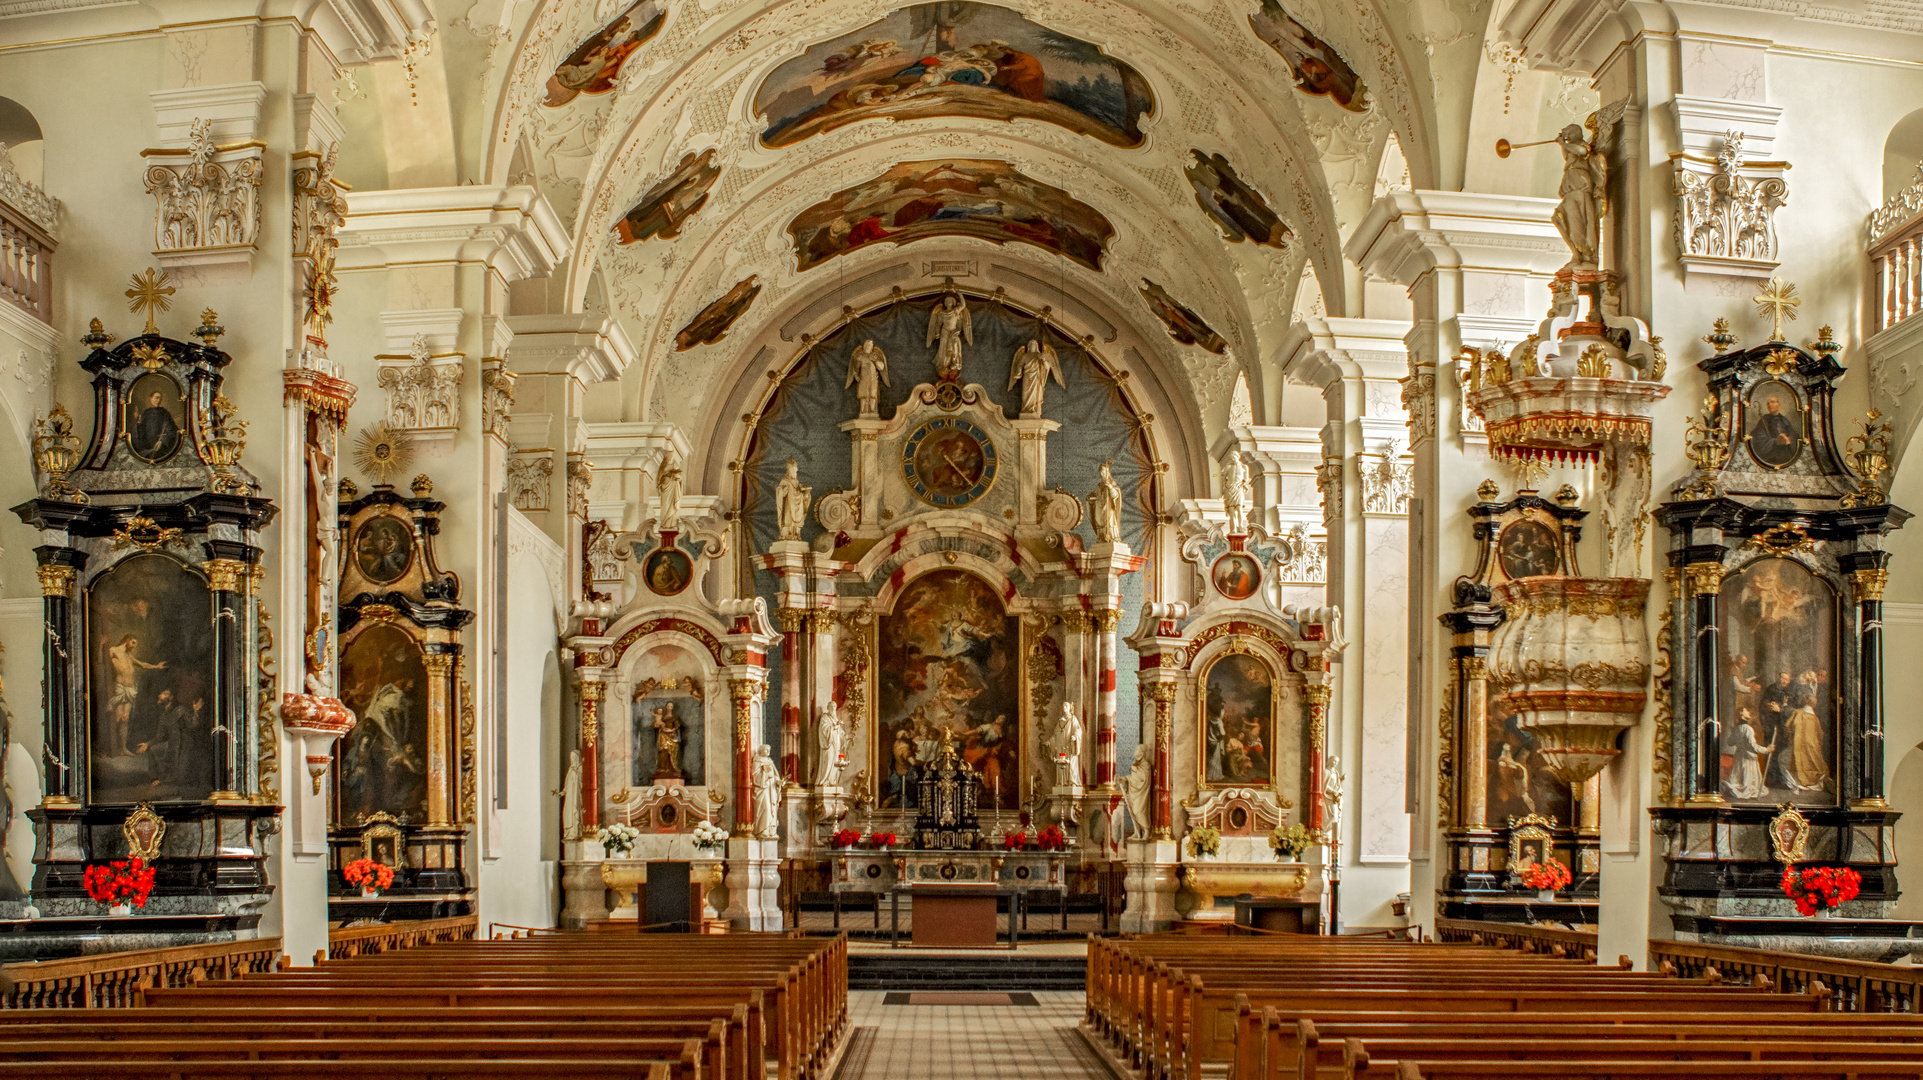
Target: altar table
[948,915]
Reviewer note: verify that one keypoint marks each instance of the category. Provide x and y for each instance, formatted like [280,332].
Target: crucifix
[150,292]
[1777,302]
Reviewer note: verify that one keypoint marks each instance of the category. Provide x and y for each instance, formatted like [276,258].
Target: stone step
[966,972]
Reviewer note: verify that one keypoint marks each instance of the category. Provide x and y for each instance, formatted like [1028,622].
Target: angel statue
[1034,364]
[1105,509]
[868,373]
[951,325]
[1135,789]
[1585,169]
[1235,493]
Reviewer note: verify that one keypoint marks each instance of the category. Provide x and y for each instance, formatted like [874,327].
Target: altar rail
[368,940]
[1854,985]
[108,981]
[1576,944]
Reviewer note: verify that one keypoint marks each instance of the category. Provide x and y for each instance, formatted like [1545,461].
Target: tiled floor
[963,1042]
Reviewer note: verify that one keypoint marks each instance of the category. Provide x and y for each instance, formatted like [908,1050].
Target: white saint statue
[1332,781]
[950,325]
[1034,364]
[1136,787]
[1067,745]
[832,740]
[767,794]
[570,793]
[1579,214]
[667,492]
[1105,509]
[1235,493]
[868,373]
[791,504]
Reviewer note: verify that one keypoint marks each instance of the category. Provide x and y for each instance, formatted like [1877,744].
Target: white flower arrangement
[617,839]
[708,836]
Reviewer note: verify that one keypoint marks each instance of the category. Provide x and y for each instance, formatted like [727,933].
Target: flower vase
[1546,896]
[370,893]
[1825,912]
[121,910]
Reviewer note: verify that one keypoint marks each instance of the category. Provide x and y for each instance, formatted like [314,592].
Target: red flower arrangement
[881,840]
[1014,841]
[123,881]
[844,838]
[1548,874]
[1051,839]
[1821,887]
[368,874]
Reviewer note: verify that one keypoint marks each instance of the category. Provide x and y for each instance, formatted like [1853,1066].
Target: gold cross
[1777,302]
[150,292]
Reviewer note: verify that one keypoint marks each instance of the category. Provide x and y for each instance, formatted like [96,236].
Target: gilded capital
[441,664]
[1869,584]
[1705,578]
[1161,693]
[789,620]
[1316,693]
[1077,622]
[224,575]
[593,691]
[1474,668]
[1105,620]
[55,579]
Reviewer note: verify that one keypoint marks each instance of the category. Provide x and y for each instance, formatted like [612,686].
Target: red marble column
[592,694]
[1105,697]
[743,693]
[1161,813]
[1318,700]
[790,622]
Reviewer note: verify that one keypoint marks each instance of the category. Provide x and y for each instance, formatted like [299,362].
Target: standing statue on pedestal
[1034,364]
[1579,215]
[1066,743]
[1332,781]
[1105,509]
[951,325]
[868,373]
[667,743]
[1136,787]
[1235,493]
[570,792]
[767,795]
[832,740]
[791,504]
[667,491]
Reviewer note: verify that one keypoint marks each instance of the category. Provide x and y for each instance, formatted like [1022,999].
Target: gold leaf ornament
[383,451]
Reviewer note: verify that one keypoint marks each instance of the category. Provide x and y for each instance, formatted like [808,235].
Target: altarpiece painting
[1238,712]
[1779,714]
[383,762]
[150,655]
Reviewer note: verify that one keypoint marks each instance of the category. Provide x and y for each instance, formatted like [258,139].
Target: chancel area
[1177,512]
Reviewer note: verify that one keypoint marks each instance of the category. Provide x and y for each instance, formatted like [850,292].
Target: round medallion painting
[383,549]
[949,462]
[1236,576]
[155,417]
[667,571]
[1528,549]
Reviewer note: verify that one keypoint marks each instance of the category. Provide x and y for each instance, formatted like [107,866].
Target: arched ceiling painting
[954,58]
[953,197]
[596,63]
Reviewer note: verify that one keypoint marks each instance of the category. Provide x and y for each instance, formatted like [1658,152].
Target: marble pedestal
[1154,877]
[753,876]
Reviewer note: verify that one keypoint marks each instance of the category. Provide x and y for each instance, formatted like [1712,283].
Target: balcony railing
[28,218]
[1896,247]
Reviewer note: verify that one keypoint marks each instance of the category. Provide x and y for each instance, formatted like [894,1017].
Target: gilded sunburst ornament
[382,450]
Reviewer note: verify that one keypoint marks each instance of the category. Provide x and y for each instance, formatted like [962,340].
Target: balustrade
[26,264]
[1896,248]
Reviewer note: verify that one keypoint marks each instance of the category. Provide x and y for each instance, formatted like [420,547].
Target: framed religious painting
[150,661]
[1775,429]
[383,760]
[667,571]
[154,418]
[1237,710]
[1779,702]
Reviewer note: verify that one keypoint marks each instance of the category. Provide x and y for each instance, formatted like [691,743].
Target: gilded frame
[1237,645]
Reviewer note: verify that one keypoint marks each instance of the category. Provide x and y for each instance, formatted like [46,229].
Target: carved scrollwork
[211,200]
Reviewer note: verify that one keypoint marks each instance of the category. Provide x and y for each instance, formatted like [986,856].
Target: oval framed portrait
[1528,549]
[667,571]
[1236,575]
[1774,424]
[949,462]
[155,418]
[383,549]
